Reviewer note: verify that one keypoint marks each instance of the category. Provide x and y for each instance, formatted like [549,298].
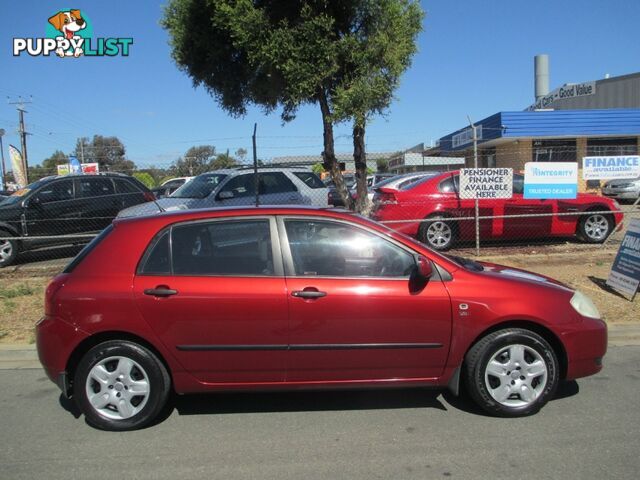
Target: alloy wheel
[596,227]
[6,250]
[439,234]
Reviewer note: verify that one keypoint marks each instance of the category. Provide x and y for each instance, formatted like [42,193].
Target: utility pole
[256,180]
[23,135]
[4,170]
[475,165]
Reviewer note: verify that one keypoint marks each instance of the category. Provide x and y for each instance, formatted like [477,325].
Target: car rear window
[310,179]
[88,249]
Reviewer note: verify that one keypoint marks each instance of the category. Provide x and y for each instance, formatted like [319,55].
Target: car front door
[52,210]
[525,217]
[353,315]
[214,293]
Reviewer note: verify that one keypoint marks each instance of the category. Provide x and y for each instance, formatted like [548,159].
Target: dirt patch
[584,267]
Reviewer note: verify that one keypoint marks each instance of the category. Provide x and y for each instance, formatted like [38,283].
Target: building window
[489,157]
[554,151]
[600,147]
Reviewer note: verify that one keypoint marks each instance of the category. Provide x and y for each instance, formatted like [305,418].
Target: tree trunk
[359,156]
[329,161]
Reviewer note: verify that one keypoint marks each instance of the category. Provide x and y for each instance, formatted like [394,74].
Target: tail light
[50,295]
[149,196]
[387,198]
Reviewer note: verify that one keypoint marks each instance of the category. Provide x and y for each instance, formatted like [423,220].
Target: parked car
[164,191]
[333,198]
[372,181]
[64,205]
[289,298]
[400,182]
[623,190]
[233,187]
[176,182]
[436,199]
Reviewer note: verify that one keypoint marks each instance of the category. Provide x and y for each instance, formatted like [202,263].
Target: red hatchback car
[290,298]
[436,198]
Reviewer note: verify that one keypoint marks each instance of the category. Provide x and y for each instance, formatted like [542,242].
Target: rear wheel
[595,227]
[512,372]
[120,385]
[8,250]
[437,233]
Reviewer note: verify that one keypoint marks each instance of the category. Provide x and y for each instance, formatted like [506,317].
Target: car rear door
[214,293]
[353,314]
[98,202]
[525,217]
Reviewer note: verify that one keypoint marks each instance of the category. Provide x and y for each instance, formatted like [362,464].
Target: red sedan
[290,298]
[436,199]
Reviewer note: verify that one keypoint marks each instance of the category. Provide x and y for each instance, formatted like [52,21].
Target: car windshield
[200,187]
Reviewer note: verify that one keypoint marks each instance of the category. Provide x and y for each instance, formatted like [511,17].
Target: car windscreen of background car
[199,187]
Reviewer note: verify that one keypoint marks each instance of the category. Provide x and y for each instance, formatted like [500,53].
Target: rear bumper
[55,340]
[585,348]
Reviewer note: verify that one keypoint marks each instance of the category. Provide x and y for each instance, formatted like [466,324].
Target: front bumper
[621,194]
[586,345]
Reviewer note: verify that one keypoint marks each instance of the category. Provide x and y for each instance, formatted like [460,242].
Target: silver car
[622,189]
[236,187]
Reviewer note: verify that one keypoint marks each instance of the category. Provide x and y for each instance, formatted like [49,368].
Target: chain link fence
[52,218]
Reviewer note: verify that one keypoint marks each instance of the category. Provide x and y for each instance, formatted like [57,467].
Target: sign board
[481,183]
[566,91]
[551,180]
[86,168]
[611,168]
[625,272]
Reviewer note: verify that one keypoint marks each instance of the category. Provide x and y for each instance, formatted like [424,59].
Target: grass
[20,307]
[22,290]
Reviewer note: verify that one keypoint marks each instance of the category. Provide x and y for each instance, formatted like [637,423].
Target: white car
[236,187]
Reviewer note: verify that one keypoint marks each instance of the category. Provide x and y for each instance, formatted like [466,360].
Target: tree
[343,55]
[145,178]
[195,161]
[224,160]
[241,154]
[50,164]
[108,152]
[382,165]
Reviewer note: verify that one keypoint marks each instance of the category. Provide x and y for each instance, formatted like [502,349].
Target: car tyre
[120,385]
[437,233]
[511,373]
[8,250]
[595,227]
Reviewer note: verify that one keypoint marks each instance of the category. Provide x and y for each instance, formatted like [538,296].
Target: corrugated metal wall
[616,92]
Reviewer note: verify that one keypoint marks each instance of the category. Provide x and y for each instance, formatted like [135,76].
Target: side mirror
[225,195]
[32,202]
[425,269]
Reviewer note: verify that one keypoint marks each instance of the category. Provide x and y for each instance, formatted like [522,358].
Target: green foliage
[108,152]
[17,291]
[223,160]
[317,168]
[57,158]
[382,165]
[145,178]
[195,161]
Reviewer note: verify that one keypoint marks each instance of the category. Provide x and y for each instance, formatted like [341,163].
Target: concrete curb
[21,356]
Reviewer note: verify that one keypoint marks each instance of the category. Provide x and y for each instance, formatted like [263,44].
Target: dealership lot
[374,434]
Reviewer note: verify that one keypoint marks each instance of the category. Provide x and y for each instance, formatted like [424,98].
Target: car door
[353,315]
[98,202]
[525,217]
[52,210]
[465,208]
[277,189]
[214,293]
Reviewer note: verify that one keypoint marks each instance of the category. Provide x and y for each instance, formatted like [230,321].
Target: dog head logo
[69,23]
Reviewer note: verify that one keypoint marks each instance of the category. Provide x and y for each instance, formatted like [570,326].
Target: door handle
[160,291]
[308,294]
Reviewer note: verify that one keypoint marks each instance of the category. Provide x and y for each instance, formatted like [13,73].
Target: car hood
[522,276]
[166,204]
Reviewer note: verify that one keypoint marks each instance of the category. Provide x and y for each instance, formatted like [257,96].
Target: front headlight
[583,305]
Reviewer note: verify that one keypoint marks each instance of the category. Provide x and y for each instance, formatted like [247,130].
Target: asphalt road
[590,431]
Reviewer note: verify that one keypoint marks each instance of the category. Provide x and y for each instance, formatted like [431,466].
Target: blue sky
[475,58]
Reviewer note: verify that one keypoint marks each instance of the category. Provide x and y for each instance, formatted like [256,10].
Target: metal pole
[4,171]
[256,184]
[23,141]
[475,165]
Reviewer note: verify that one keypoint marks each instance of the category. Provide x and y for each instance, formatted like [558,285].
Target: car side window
[93,187]
[518,184]
[55,192]
[222,248]
[157,260]
[124,186]
[275,182]
[449,185]
[310,179]
[240,186]
[331,249]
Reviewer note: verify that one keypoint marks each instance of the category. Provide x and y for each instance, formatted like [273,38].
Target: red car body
[428,199]
[364,332]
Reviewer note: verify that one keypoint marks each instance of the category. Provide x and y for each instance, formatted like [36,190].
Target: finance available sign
[611,168]
[481,183]
[625,272]
[551,180]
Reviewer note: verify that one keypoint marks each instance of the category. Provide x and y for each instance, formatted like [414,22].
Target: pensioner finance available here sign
[551,180]
[611,167]
[480,183]
[625,272]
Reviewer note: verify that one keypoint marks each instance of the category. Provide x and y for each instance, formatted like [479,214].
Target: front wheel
[120,385]
[437,233]
[595,227]
[512,372]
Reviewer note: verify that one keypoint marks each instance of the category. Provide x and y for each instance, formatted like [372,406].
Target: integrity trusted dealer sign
[551,180]
[479,183]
